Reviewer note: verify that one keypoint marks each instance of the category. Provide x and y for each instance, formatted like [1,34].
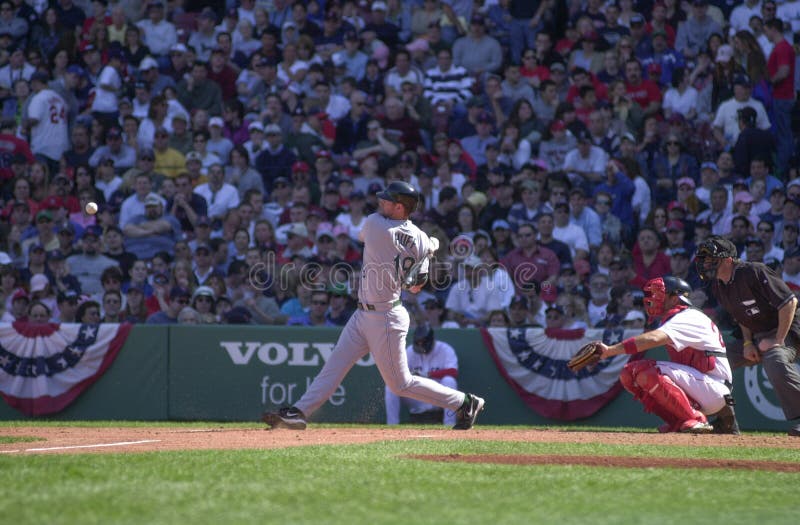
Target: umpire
[764,307]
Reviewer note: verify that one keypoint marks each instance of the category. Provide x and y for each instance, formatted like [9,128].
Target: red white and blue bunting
[534,362]
[44,368]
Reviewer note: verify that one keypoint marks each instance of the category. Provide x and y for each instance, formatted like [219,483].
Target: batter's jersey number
[402,265]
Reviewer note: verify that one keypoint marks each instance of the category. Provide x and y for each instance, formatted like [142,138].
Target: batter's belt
[382,307]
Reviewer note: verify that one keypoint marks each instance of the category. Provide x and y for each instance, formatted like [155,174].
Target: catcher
[696,382]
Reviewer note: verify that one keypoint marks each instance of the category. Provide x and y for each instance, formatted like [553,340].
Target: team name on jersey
[403,239]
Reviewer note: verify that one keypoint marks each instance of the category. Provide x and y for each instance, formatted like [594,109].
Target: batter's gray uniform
[380,325]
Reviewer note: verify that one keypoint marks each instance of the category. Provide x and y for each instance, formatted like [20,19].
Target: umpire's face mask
[707,267]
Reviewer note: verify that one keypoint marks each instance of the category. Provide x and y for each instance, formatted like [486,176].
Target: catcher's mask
[657,290]
[710,255]
[423,339]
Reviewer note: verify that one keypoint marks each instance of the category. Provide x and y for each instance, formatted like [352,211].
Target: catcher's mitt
[588,355]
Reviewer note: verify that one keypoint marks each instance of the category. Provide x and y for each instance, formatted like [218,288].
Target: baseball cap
[419,44]
[178,48]
[792,252]
[20,294]
[152,200]
[709,166]
[341,229]
[675,252]
[323,154]
[238,315]
[205,291]
[519,299]
[686,180]
[629,136]
[300,166]
[741,79]
[500,224]
[40,77]
[39,282]
[148,63]
[202,247]
[634,315]
[176,292]
[114,132]
[67,295]
[620,261]
[379,6]
[193,156]
[675,225]
[743,196]
[675,205]
[555,308]
[583,136]
[567,268]
[36,247]
[256,126]
[297,228]
[216,121]
[558,125]
[92,231]
[208,14]
[56,255]
[44,214]
[724,53]
[272,129]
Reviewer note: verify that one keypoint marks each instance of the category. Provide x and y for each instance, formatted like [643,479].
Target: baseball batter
[395,255]
[429,358]
[697,380]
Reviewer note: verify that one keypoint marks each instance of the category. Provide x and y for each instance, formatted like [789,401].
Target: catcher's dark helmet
[423,339]
[402,192]
[710,255]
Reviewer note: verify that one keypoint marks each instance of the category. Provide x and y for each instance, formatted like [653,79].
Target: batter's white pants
[393,403]
[383,334]
[707,391]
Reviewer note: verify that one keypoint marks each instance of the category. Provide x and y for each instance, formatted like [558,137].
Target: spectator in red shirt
[780,70]
[529,261]
[644,92]
[649,260]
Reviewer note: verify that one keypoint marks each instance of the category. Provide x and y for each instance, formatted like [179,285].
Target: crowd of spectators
[566,151]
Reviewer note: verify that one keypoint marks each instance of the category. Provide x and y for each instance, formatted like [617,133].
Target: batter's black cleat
[794,431]
[468,413]
[726,423]
[287,417]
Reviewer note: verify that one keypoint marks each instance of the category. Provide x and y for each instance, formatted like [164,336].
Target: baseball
[91,208]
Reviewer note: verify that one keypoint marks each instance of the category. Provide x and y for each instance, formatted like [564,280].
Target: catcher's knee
[647,377]
[631,371]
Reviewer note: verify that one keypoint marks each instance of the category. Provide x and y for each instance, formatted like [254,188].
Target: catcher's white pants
[707,391]
[393,403]
[383,334]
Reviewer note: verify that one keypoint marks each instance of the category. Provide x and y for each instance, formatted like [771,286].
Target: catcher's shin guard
[672,400]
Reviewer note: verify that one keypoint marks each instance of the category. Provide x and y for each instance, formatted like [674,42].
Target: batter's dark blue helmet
[402,192]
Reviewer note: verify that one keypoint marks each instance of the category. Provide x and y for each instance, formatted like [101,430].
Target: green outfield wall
[226,373]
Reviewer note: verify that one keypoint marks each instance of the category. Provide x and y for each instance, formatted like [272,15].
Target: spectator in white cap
[217,142]
[256,143]
[634,320]
[135,204]
[296,243]
[152,232]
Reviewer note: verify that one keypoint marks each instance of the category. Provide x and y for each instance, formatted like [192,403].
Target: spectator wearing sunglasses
[178,299]
[316,315]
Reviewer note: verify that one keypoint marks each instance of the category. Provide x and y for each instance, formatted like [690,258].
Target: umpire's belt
[383,307]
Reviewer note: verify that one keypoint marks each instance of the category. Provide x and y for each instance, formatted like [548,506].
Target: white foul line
[99,445]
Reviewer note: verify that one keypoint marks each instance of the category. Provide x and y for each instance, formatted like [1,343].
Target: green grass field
[374,483]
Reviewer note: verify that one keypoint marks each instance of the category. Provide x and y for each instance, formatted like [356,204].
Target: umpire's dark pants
[779,365]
